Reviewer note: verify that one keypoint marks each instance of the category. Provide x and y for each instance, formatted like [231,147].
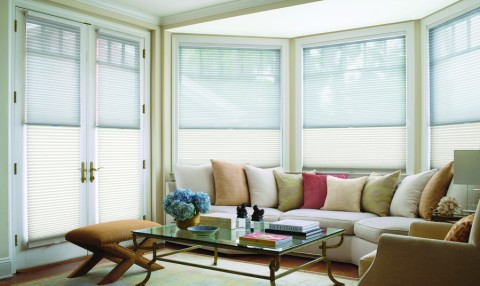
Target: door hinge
[16,240]
[143,109]
[144,164]
[14,97]
[15,26]
[143,53]
[15,168]
[144,217]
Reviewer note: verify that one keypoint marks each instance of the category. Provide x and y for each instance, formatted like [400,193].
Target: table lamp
[467,172]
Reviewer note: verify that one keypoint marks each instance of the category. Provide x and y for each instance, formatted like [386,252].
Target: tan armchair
[424,258]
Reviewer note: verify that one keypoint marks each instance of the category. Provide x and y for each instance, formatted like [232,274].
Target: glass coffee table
[228,239]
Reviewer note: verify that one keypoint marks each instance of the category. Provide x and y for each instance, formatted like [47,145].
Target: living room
[384,103]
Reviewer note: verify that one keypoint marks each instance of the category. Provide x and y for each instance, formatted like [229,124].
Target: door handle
[93,169]
[84,173]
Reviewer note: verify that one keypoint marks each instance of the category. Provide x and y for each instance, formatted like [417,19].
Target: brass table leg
[215,256]
[149,265]
[329,263]
[274,266]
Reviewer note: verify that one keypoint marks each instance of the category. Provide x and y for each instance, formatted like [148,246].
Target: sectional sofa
[362,228]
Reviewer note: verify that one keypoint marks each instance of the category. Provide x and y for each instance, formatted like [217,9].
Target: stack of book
[302,228]
[222,220]
[262,239]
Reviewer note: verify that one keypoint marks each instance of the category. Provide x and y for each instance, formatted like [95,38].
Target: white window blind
[120,194]
[229,105]
[454,61]
[52,129]
[354,104]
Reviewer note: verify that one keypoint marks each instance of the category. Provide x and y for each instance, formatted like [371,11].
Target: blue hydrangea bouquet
[185,206]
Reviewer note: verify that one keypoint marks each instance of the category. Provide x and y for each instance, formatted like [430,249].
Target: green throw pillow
[378,193]
[290,190]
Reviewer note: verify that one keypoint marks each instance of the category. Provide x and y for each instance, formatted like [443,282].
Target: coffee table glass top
[229,237]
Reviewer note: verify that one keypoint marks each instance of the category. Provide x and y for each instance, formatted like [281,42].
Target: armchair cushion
[425,229]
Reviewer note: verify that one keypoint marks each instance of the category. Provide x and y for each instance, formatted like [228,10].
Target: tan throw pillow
[460,231]
[378,193]
[231,187]
[344,194]
[290,190]
[435,190]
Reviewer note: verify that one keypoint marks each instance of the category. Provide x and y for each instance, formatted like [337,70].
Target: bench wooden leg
[86,266]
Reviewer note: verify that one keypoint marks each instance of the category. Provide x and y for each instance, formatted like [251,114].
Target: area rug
[180,275]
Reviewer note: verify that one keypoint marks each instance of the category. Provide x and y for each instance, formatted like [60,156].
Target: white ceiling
[319,17]
[314,17]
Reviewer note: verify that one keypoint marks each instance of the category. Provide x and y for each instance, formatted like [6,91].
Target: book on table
[263,239]
[303,234]
[294,225]
[222,220]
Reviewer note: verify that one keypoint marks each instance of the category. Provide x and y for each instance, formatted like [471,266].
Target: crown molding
[146,17]
[228,8]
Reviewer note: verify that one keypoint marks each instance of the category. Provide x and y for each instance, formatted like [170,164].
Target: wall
[5,165]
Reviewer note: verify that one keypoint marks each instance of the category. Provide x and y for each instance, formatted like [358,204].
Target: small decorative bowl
[203,229]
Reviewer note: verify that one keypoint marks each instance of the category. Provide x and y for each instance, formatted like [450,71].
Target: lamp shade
[467,167]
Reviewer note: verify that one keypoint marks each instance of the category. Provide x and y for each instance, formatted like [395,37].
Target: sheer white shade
[454,72]
[53,73]
[118,82]
[229,105]
[354,105]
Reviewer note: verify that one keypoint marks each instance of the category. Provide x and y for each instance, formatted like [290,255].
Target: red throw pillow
[315,189]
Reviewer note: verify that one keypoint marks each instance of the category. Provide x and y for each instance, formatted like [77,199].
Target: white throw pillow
[344,194]
[407,196]
[262,186]
[196,178]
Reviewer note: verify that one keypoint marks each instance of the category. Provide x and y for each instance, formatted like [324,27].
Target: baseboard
[6,268]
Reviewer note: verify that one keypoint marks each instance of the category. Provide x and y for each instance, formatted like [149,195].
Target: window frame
[232,42]
[426,24]
[406,29]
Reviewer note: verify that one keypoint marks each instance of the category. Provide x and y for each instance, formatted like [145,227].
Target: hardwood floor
[341,269]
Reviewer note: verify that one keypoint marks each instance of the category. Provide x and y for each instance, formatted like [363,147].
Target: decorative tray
[203,229]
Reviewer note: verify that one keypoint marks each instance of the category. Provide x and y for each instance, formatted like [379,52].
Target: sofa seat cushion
[336,219]
[270,214]
[371,229]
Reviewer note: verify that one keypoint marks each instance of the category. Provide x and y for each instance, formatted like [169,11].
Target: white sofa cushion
[336,219]
[370,229]
[195,178]
[270,214]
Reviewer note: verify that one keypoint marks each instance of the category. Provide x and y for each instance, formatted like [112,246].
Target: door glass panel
[120,191]
[52,128]
[119,184]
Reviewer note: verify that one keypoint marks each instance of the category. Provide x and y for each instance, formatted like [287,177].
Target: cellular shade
[454,70]
[354,104]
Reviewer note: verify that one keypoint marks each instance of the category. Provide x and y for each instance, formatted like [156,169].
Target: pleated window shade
[454,63]
[52,132]
[119,153]
[229,105]
[354,104]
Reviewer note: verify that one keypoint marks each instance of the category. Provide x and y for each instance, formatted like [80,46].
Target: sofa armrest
[425,229]
[404,260]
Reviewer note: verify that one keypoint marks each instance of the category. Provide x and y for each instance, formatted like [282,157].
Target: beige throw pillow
[435,190]
[231,187]
[344,194]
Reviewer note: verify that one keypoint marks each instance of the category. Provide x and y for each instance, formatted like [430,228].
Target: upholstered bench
[103,241]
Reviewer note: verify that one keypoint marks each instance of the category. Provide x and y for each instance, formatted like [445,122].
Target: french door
[79,135]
